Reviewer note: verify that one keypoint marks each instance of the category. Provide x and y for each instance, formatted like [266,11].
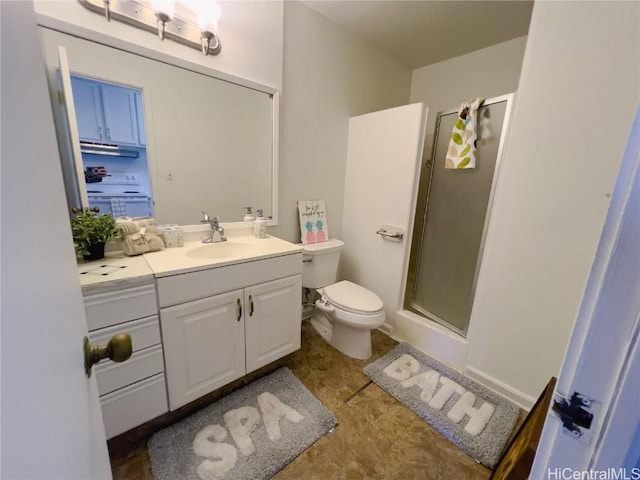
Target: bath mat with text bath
[477,420]
[251,433]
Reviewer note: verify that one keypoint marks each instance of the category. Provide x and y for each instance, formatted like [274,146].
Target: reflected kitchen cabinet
[106,112]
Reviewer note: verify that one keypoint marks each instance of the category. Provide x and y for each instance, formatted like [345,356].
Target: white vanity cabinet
[134,391]
[106,113]
[222,323]
[272,320]
[204,346]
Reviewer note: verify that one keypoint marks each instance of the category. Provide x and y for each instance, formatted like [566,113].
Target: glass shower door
[451,222]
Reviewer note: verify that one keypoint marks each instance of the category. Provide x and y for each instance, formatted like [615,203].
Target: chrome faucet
[217,232]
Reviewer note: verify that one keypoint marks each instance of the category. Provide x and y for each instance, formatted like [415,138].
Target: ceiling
[422,32]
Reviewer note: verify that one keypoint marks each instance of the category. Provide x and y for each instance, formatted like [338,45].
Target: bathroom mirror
[210,143]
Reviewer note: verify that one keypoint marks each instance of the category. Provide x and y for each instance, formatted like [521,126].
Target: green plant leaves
[88,228]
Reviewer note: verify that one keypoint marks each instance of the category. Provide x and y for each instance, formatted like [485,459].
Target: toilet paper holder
[389,232]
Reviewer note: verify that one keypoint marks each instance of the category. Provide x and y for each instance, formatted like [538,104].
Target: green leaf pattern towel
[462,147]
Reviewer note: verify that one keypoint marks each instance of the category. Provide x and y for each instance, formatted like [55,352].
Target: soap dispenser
[248,216]
[260,227]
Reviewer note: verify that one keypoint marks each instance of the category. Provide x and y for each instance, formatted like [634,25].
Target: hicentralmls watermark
[606,474]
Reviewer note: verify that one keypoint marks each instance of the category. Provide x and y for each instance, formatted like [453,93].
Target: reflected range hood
[107,149]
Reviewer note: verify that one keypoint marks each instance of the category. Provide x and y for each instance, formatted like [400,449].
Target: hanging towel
[118,207]
[462,146]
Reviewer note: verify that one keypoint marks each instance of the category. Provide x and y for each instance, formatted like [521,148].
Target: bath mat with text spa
[477,420]
[251,433]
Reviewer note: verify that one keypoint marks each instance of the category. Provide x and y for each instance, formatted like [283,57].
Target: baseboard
[521,399]
[385,328]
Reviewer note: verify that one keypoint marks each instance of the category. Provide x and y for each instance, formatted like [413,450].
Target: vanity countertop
[195,256]
[117,269]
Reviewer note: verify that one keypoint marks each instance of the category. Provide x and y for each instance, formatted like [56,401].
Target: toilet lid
[353,298]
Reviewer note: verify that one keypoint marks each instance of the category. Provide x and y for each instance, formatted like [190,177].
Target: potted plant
[90,232]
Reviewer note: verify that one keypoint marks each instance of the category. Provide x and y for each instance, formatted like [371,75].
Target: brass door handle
[118,349]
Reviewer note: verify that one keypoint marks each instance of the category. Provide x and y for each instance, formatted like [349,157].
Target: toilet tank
[320,263]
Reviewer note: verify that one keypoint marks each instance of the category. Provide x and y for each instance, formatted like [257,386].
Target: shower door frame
[422,206]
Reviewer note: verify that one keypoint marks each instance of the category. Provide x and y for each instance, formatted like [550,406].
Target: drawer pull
[239,310]
[118,349]
[251,306]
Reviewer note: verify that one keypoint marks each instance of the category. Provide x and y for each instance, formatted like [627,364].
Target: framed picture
[313,221]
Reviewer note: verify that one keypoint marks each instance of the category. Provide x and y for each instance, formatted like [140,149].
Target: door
[602,360]
[88,106]
[272,320]
[51,418]
[120,114]
[452,219]
[383,158]
[72,167]
[203,346]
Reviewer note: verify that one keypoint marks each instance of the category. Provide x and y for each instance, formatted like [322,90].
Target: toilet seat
[353,298]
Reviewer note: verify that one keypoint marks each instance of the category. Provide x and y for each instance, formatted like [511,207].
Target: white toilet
[346,313]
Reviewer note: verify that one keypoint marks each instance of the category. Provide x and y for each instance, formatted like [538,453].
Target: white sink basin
[230,249]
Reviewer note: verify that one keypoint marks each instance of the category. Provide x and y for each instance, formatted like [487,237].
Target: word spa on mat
[252,433]
[241,422]
[406,370]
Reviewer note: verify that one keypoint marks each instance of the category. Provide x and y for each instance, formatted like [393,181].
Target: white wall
[329,76]
[251,33]
[578,91]
[487,73]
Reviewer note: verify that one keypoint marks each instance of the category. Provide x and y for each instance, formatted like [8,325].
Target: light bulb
[208,13]
[164,7]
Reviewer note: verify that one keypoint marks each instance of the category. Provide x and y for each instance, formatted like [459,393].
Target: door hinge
[576,413]
[61,97]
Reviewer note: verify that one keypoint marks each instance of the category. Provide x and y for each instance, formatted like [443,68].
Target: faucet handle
[205,218]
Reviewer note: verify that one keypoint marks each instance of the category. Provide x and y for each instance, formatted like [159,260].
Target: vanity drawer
[176,289]
[143,364]
[129,407]
[144,333]
[111,308]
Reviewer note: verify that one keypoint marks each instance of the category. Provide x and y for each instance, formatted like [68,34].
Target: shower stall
[452,216]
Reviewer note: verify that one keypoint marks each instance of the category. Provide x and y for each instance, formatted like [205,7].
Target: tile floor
[377,437]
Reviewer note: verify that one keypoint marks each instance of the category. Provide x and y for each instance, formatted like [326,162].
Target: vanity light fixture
[164,10]
[208,13]
[162,17]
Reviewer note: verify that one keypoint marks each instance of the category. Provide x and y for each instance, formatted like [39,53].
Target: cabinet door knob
[250,306]
[118,349]
[239,310]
